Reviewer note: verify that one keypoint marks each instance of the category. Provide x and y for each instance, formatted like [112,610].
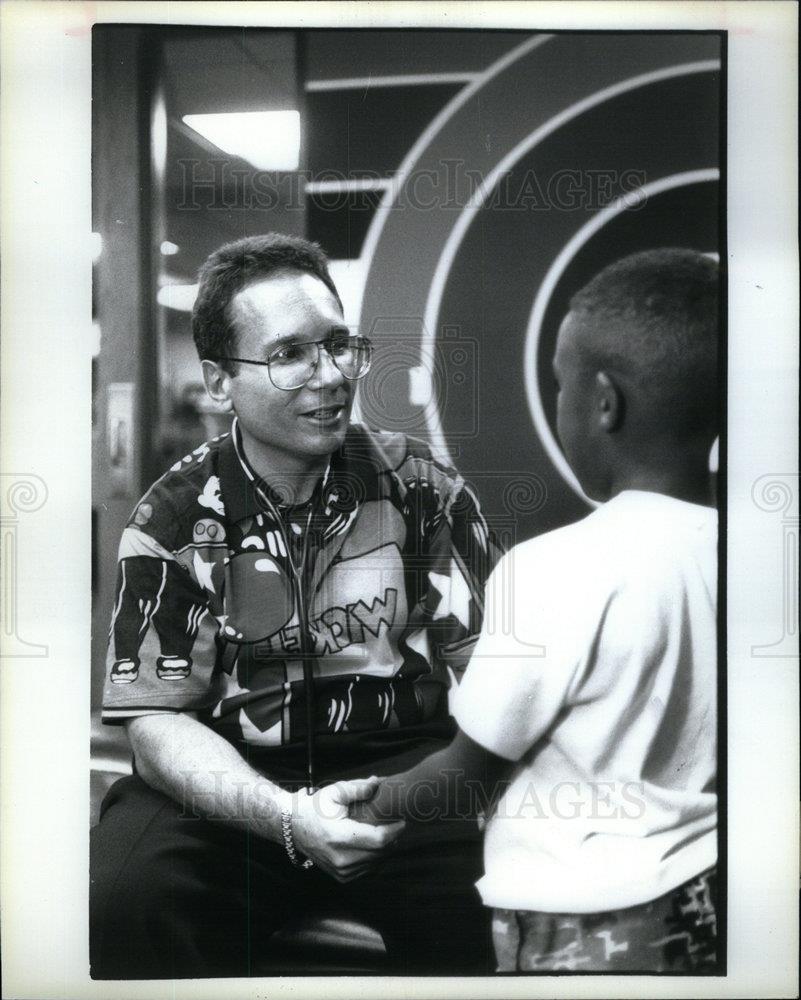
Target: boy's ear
[218,384]
[610,403]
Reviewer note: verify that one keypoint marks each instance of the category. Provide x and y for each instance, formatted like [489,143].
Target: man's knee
[150,902]
[133,868]
[129,881]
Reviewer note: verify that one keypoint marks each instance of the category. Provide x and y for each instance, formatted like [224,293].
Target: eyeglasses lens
[292,367]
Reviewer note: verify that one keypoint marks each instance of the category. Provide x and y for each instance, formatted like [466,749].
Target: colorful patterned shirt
[384,569]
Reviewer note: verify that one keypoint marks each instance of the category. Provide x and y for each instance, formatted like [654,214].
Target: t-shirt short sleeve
[527,655]
[162,651]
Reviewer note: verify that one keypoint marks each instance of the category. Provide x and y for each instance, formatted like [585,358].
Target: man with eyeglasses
[294,599]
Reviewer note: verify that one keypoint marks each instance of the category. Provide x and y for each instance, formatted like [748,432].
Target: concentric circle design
[587,147]
[533,363]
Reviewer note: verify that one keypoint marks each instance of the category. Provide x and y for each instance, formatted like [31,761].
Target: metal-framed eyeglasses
[292,365]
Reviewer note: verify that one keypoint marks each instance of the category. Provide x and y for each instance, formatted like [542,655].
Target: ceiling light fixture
[269,140]
[176,296]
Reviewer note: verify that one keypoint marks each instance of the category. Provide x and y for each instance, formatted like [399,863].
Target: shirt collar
[362,460]
[237,484]
[240,484]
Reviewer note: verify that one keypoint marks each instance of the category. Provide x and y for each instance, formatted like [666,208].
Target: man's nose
[326,374]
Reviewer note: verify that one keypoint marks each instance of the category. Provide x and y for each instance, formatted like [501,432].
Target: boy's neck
[693,485]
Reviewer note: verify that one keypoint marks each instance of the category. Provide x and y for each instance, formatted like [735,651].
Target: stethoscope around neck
[299,574]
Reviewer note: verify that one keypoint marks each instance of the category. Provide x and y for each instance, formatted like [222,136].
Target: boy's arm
[459,782]
[515,687]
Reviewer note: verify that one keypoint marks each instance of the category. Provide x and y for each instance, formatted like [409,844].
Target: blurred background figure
[187,424]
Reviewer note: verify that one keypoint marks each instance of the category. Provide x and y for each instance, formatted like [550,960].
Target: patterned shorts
[675,933]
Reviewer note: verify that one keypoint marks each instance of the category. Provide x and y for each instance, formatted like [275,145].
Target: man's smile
[326,416]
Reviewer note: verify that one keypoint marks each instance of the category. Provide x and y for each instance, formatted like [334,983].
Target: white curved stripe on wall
[480,80]
[546,290]
[472,208]
[398,80]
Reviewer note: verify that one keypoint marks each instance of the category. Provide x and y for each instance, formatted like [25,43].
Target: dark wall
[573,128]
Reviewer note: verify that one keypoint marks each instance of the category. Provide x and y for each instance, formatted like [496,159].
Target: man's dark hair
[235,265]
[653,319]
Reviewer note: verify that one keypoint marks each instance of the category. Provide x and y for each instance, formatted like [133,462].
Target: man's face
[283,428]
[574,409]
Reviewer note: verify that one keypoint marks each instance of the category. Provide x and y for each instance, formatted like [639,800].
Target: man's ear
[610,404]
[218,384]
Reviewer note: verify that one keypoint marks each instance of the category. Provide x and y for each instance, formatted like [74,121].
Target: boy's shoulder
[550,570]
[555,543]
[629,536]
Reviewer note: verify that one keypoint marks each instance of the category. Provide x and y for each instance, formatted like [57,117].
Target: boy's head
[636,368]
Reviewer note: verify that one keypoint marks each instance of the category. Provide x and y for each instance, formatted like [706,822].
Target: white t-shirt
[596,670]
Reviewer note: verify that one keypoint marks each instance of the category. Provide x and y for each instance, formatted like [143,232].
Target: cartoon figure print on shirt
[206,617]
[348,624]
[154,589]
[163,607]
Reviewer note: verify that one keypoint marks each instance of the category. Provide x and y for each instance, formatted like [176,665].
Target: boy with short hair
[598,707]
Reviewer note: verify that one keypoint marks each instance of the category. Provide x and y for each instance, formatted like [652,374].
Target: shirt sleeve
[462,553]
[527,656]
[162,649]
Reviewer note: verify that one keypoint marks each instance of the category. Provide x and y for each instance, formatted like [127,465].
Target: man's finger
[350,877]
[389,832]
[355,791]
[347,865]
[365,837]
[351,874]
[354,866]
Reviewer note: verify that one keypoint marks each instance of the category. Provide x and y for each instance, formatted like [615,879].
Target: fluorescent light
[714,456]
[180,297]
[269,140]
[168,248]
[349,277]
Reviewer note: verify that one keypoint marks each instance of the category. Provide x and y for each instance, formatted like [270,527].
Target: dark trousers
[179,897]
